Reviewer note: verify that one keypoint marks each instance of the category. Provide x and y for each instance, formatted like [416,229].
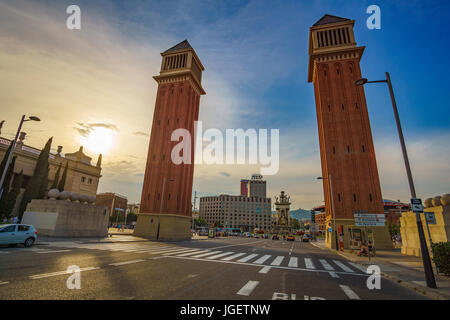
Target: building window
[370,197]
[334,149]
[83,179]
[354,197]
[356,106]
[90,180]
[343,107]
[339,197]
[363,149]
[348,149]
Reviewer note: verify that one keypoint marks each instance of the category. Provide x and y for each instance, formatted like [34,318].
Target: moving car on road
[290,237]
[18,234]
[275,237]
[306,238]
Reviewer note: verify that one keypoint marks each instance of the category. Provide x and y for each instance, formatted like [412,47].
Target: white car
[18,233]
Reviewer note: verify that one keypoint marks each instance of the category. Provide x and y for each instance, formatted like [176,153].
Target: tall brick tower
[177,106]
[346,146]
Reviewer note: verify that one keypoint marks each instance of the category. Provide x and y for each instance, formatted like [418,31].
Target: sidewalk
[403,269]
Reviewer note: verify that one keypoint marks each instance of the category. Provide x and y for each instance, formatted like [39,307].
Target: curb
[412,286]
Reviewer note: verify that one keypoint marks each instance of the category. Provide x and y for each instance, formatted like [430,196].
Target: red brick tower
[346,146]
[177,106]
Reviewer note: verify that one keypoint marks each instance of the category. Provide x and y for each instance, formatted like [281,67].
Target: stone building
[82,176]
[439,206]
[113,202]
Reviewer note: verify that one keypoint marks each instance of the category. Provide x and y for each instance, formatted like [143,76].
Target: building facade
[165,207]
[113,201]
[345,137]
[82,176]
[239,211]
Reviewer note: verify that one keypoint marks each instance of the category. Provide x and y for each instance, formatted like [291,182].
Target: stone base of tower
[354,236]
[172,227]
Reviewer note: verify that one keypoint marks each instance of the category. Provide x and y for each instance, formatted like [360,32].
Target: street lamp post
[13,147]
[429,275]
[332,210]
[161,205]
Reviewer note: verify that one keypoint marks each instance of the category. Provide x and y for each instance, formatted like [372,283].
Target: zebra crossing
[333,267]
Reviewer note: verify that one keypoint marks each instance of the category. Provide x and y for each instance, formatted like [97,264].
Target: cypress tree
[5,157]
[11,197]
[62,183]
[44,185]
[56,179]
[33,187]
[7,184]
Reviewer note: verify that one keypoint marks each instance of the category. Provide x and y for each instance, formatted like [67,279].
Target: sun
[99,140]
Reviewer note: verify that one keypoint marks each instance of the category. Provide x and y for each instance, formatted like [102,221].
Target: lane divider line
[349,292]
[58,273]
[248,288]
[116,264]
[265,270]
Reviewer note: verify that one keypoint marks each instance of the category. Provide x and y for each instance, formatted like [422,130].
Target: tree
[44,185]
[6,185]
[200,222]
[11,197]
[217,224]
[62,183]
[40,172]
[56,179]
[5,157]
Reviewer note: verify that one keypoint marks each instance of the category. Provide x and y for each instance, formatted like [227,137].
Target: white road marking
[116,264]
[237,255]
[278,260]
[326,265]
[54,251]
[220,255]
[293,262]
[309,264]
[343,266]
[184,253]
[262,259]
[52,274]
[333,274]
[165,251]
[206,254]
[265,269]
[3,282]
[4,252]
[357,266]
[247,258]
[349,292]
[248,288]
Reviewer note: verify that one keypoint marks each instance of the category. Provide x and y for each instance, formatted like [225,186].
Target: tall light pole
[332,210]
[161,205]
[429,275]
[13,147]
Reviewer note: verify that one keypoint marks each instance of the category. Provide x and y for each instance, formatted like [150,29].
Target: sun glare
[99,140]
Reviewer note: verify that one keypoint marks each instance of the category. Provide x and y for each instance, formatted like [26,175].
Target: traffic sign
[430,217]
[416,205]
[313,227]
[370,219]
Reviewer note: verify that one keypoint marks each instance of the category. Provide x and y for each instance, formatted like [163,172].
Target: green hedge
[441,256]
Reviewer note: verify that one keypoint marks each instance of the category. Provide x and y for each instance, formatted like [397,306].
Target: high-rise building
[245,211]
[346,146]
[167,185]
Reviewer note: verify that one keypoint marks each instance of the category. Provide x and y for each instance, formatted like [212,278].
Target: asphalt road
[234,268]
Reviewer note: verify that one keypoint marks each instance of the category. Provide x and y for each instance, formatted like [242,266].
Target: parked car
[18,234]
[265,236]
[275,237]
[290,237]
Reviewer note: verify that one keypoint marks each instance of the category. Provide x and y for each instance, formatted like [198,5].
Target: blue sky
[256,58]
